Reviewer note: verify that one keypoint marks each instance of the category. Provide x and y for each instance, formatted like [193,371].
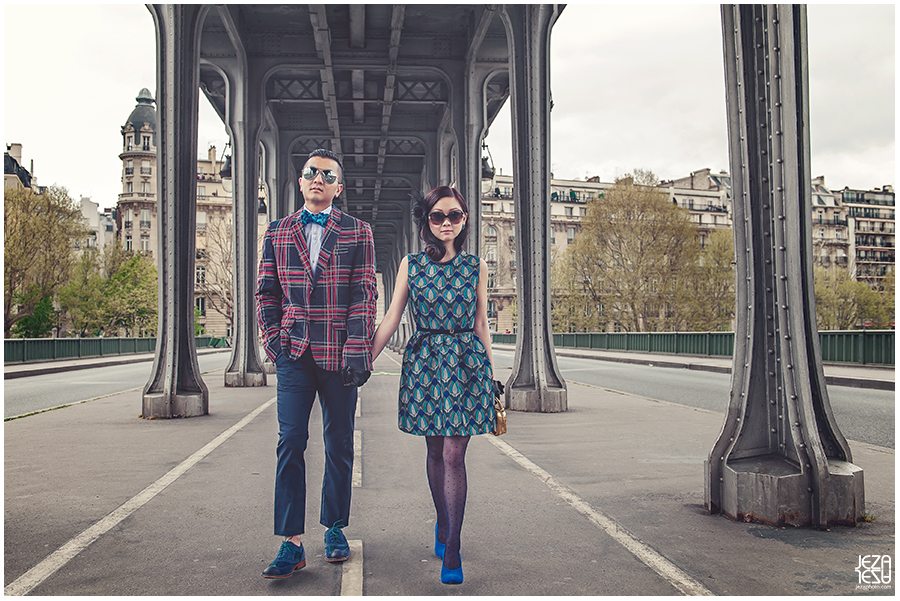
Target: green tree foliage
[41,232]
[634,257]
[39,323]
[111,292]
[843,303]
[711,305]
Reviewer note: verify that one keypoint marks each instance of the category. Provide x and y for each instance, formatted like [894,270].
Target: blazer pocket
[286,326]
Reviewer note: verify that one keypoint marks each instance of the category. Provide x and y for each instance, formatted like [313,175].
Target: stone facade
[137,218]
[872,224]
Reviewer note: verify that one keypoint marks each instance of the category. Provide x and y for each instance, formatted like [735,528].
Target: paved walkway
[605,499]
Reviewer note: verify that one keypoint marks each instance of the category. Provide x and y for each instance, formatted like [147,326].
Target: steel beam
[175,388]
[780,457]
[536,383]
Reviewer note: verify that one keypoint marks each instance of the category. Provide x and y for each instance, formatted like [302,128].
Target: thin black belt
[430,332]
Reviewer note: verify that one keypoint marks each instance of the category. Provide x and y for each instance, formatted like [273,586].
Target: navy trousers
[298,383]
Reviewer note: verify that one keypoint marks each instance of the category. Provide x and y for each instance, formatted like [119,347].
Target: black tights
[446,467]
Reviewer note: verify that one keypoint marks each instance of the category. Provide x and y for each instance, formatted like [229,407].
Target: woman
[446,384]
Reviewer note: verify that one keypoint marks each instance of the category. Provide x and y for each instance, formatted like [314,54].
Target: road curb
[99,362]
[721,369]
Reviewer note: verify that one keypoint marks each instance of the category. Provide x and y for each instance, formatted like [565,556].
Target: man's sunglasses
[328,175]
[437,218]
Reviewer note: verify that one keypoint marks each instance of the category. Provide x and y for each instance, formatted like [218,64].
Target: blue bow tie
[320,218]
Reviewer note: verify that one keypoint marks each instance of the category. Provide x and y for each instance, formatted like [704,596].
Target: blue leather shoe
[449,576]
[438,547]
[290,557]
[336,547]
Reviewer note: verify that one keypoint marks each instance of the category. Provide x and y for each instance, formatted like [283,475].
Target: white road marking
[656,562]
[392,359]
[352,576]
[357,458]
[27,582]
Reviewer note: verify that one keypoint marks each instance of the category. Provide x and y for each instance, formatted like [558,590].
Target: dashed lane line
[352,574]
[652,559]
[28,581]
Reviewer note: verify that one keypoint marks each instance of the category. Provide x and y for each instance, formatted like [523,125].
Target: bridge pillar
[244,123]
[536,383]
[175,388]
[780,457]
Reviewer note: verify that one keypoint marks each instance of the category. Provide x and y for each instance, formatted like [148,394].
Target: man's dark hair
[328,154]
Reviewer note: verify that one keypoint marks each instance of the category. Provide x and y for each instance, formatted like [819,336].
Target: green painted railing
[860,347]
[23,350]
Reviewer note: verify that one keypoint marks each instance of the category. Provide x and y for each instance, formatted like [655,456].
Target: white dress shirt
[314,233]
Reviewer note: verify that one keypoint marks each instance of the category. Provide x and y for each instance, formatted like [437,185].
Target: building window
[201,275]
[146,143]
[129,167]
[569,212]
[145,168]
[128,243]
[201,221]
[571,233]
[200,303]
[490,234]
[129,187]
[145,218]
[145,187]
[145,243]
[201,190]
[128,143]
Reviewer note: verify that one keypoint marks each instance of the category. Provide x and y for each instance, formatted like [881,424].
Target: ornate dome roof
[144,111]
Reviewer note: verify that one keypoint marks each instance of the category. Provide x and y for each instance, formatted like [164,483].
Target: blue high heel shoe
[438,547]
[449,576]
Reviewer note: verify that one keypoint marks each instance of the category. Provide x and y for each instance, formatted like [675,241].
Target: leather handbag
[500,412]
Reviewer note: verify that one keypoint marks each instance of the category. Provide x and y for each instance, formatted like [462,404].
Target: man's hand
[354,377]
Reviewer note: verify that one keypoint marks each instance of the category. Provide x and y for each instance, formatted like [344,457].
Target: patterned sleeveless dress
[445,383]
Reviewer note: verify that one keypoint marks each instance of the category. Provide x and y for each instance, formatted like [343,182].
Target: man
[316,305]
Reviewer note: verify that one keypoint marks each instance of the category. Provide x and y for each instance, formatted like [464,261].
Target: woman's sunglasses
[328,175]
[437,218]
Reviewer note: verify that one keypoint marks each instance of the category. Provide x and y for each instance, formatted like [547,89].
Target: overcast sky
[633,87]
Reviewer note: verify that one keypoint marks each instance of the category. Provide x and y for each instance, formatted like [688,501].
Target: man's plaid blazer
[333,315]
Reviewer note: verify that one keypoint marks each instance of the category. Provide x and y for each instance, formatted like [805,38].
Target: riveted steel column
[536,383]
[780,457]
[175,388]
[245,367]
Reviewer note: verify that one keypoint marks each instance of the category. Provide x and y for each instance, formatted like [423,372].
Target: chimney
[15,151]
[212,154]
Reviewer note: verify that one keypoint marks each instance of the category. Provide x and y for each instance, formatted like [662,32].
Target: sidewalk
[40,368]
[535,496]
[854,376]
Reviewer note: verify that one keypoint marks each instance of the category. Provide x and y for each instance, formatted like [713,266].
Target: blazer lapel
[296,228]
[329,238]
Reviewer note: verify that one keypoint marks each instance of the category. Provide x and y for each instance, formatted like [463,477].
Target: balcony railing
[129,170]
[146,170]
[127,224]
[145,225]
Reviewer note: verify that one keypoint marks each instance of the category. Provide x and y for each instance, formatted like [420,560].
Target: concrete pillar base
[269,367]
[236,379]
[772,490]
[165,406]
[548,400]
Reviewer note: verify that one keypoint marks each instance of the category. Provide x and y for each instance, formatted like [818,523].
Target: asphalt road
[862,414]
[35,393]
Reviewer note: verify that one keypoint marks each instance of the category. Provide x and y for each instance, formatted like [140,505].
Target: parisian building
[14,174]
[850,228]
[137,218]
[870,214]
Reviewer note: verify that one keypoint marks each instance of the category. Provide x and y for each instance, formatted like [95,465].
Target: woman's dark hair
[434,248]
